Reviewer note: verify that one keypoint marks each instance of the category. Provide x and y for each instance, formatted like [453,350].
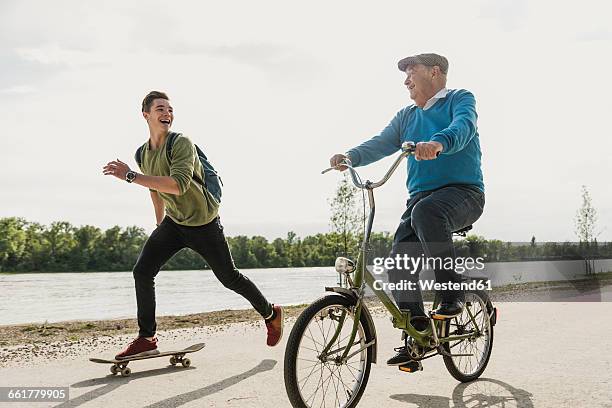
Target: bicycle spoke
[310,366]
[310,361]
[326,388]
[351,371]
[346,387]
[315,342]
[314,393]
[307,378]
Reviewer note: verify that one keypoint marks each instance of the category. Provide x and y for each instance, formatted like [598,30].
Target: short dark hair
[151,96]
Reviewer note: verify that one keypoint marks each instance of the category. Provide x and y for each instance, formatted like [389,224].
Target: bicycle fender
[352,295]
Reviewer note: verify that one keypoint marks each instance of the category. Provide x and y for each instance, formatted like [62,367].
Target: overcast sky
[271,89]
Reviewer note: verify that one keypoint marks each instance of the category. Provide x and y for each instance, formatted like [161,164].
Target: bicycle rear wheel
[313,380]
[469,368]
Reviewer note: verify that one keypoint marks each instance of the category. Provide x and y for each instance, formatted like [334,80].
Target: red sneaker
[139,347]
[275,327]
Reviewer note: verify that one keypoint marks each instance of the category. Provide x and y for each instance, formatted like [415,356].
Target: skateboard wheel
[186,362]
[173,360]
[125,372]
[114,370]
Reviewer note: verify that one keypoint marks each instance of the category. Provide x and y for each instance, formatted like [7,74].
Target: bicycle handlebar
[408,148]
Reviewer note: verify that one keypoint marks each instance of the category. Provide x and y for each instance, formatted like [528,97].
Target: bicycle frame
[401,320]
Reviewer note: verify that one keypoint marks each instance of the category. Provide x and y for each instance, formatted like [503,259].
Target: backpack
[212,182]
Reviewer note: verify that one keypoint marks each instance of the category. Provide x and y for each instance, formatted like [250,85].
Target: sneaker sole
[398,364]
[143,354]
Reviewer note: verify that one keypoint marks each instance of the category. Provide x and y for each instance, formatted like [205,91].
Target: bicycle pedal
[411,367]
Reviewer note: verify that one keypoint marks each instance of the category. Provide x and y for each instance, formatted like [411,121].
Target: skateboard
[177,357]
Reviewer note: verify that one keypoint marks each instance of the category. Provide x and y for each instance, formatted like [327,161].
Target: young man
[444,178]
[187,216]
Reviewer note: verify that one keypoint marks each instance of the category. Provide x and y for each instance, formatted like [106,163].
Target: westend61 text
[412,264]
[431,285]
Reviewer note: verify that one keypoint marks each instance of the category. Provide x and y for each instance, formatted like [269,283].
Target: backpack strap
[138,156]
[170,143]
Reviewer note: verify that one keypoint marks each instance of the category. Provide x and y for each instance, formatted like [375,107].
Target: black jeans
[208,241]
[426,229]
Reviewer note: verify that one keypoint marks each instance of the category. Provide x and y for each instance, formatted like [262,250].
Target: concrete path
[544,355]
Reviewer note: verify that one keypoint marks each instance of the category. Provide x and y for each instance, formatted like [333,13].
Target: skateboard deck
[177,357]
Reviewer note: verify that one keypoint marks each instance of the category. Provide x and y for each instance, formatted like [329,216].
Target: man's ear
[145,115]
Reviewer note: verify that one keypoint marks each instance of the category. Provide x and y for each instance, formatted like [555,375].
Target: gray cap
[429,60]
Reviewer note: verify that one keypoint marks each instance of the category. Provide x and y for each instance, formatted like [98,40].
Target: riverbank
[29,343]
[73,331]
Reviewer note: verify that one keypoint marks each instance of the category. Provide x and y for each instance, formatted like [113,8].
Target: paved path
[544,355]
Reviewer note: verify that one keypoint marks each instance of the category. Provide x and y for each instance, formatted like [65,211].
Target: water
[53,297]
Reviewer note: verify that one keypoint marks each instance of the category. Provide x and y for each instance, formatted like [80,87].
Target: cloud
[278,61]
[511,14]
[19,72]
[55,55]
[595,35]
[18,90]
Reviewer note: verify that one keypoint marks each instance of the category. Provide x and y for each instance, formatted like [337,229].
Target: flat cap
[429,60]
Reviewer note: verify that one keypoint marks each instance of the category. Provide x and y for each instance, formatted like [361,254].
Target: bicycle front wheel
[317,379]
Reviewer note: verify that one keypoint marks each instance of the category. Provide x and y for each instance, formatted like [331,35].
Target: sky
[271,89]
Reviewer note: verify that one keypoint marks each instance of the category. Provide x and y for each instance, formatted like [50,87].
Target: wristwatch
[130,176]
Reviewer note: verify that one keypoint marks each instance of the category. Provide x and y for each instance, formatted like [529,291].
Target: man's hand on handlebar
[337,161]
[427,150]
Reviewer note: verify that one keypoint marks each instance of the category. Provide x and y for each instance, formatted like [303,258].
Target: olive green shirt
[194,205]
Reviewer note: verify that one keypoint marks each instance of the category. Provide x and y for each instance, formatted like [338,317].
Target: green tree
[87,238]
[12,242]
[280,249]
[585,221]
[242,253]
[345,217]
[61,241]
[586,218]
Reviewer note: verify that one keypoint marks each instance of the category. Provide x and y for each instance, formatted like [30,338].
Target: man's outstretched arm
[382,145]
[164,184]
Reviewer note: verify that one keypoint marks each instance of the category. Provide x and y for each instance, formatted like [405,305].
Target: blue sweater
[450,121]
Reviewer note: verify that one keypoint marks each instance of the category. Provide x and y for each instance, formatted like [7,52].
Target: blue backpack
[212,182]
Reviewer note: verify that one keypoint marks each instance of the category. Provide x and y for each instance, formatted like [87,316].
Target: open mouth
[165,121]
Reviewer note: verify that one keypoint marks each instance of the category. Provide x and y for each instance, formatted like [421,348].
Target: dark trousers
[426,230]
[208,241]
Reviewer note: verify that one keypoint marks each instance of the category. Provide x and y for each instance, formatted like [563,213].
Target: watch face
[130,176]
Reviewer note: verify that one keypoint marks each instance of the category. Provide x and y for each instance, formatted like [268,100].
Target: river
[53,297]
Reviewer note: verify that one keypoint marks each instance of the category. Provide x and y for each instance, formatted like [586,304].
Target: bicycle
[333,343]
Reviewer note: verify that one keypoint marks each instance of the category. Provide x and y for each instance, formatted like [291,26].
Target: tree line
[61,247]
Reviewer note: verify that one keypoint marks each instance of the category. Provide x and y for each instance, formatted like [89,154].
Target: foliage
[586,218]
[346,219]
[32,247]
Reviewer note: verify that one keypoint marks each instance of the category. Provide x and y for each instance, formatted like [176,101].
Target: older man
[444,178]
